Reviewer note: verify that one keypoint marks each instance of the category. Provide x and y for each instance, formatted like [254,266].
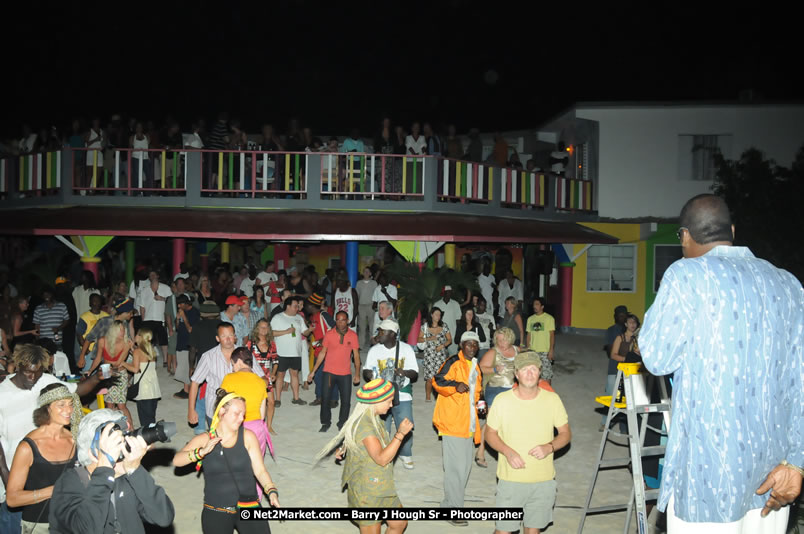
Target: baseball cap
[124,306]
[233,299]
[389,324]
[470,336]
[523,359]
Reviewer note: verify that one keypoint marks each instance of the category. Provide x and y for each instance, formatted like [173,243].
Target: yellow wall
[596,309]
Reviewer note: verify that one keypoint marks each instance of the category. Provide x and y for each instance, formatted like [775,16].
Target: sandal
[481,462]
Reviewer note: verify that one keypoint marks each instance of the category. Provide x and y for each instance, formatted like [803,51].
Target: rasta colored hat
[60,280]
[315,299]
[124,306]
[375,391]
[523,359]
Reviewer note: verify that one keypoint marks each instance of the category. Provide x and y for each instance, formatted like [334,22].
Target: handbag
[134,387]
[423,344]
[248,501]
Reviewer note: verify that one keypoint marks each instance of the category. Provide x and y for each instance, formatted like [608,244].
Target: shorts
[547,366]
[160,334]
[289,363]
[491,392]
[536,498]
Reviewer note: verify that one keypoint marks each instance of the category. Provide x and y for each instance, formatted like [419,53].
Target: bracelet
[795,468]
[271,490]
[553,447]
[36,495]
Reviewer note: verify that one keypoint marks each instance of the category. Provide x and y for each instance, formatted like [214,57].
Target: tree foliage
[766,206]
[419,290]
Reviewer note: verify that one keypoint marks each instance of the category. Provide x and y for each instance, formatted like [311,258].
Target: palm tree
[420,289]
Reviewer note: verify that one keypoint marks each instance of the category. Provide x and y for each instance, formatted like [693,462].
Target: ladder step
[651,494]
[658,450]
[615,462]
[608,508]
[651,408]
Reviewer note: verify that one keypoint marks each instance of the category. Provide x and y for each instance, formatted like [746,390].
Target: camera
[160,431]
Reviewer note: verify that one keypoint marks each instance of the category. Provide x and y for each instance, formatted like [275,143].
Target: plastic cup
[106,370]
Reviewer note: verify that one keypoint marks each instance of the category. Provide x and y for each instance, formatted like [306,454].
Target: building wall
[665,235]
[595,310]
[638,153]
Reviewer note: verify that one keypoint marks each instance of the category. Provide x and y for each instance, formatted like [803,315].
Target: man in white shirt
[380,364]
[365,314]
[82,292]
[486,321]
[509,287]
[267,276]
[451,315]
[247,284]
[19,393]
[487,282]
[291,347]
[152,298]
[385,292]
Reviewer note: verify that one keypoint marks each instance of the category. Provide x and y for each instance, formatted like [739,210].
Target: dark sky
[338,65]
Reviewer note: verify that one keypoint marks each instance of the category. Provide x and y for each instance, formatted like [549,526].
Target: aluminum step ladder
[636,403]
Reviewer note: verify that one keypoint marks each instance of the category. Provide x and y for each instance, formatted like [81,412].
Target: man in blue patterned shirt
[731,327]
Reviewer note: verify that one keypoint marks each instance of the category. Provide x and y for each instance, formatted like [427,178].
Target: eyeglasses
[680,231]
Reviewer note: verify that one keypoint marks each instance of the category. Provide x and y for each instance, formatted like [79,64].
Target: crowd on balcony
[227,133]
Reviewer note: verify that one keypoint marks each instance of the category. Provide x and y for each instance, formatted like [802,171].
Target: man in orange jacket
[458,385]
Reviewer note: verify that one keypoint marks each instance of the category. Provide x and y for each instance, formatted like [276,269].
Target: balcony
[288,181]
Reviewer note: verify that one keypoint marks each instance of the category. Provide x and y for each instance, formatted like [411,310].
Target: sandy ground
[580,376]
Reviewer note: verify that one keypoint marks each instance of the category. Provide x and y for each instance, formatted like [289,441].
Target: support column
[91,264]
[351,261]
[565,288]
[179,250]
[282,256]
[449,255]
[224,252]
[188,256]
[130,261]
[204,263]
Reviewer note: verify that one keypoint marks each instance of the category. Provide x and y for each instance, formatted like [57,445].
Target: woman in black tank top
[42,456]
[229,453]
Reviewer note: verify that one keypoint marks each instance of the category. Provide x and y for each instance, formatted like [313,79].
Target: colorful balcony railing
[274,178]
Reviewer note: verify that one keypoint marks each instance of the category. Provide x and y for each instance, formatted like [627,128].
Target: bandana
[61,393]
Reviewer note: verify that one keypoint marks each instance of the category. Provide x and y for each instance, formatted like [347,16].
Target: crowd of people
[233,349]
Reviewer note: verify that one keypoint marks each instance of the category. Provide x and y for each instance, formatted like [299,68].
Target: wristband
[271,490]
[795,468]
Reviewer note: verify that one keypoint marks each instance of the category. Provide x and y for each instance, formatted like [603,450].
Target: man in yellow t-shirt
[541,337]
[525,468]
[86,322]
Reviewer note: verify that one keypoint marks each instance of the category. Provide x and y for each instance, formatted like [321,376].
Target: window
[696,155]
[611,268]
[663,257]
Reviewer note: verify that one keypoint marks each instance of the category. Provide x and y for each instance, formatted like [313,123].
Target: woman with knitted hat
[368,472]
[43,455]
[233,465]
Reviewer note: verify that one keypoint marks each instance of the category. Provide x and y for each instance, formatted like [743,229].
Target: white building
[646,160]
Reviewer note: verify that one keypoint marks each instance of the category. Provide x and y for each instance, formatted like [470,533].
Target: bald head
[706,217]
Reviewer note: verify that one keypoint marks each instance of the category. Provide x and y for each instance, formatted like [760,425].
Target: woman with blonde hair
[369,452]
[114,348]
[263,347]
[204,291]
[497,365]
[143,366]
[232,465]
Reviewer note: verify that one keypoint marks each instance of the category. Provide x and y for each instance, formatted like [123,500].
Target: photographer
[82,497]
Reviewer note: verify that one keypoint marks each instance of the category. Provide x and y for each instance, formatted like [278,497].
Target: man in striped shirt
[51,317]
[214,364]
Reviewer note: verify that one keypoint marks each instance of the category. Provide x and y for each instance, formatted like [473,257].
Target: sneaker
[181,395]
[316,402]
[323,428]
[458,522]
[299,402]
[407,462]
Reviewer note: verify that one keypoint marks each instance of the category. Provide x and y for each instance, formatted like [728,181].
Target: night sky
[339,65]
